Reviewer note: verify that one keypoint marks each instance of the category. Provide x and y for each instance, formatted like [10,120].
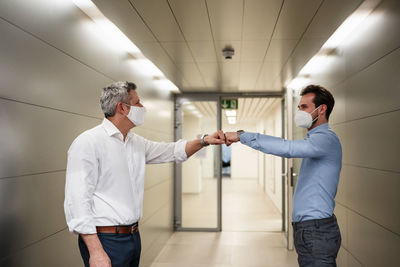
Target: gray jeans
[317,242]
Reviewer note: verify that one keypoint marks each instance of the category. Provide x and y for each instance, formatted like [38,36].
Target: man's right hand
[231,137]
[99,259]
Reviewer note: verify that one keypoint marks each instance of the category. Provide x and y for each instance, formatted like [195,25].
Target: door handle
[292,174]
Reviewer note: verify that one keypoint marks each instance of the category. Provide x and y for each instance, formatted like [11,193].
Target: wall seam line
[363,216]
[31,174]
[31,244]
[56,109]
[369,168]
[58,49]
[366,117]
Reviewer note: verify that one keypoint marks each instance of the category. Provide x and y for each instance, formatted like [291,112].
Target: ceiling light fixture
[113,33]
[230,113]
[232,120]
[330,48]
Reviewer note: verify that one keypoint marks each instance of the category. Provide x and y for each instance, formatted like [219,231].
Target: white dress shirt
[105,176]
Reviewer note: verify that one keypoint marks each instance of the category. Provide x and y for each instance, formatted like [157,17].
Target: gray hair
[114,93]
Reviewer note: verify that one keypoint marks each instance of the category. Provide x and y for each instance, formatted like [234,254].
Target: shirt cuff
[180,151]
[79,227]
[247,137]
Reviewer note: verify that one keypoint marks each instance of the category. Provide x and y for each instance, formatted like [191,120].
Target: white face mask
[304,119]
[137,115]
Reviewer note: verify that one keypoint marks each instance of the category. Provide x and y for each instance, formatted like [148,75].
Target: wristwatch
[203,143]
[239,133]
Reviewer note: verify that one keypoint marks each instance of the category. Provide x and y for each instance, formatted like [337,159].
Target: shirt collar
[322,127]
[112,130]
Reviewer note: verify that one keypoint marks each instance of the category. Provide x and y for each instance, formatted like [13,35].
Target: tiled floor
[251,234]
[226,249]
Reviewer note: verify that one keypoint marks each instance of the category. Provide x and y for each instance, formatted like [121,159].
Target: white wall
[269,166]
[52,68]
[191,169]
[208,126]
[244,160]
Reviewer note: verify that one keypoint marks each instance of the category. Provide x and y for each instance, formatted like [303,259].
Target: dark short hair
[322,96]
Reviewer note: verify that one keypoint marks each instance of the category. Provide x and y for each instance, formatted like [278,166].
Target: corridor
[251,232]
[198,66]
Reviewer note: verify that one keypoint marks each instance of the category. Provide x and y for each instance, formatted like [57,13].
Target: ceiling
[250,110]
[272,39]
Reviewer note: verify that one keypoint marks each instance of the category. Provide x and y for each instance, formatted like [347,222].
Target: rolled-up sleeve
[160,152]
[314,145]
[81,180]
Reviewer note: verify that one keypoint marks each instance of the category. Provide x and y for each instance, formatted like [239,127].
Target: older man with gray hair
[105,178]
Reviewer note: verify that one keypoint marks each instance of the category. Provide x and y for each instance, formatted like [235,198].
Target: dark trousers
[317,242]
[122,249]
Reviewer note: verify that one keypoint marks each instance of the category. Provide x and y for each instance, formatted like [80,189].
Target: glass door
[198,180]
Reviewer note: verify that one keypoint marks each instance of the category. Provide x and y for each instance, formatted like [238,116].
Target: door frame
[179,99]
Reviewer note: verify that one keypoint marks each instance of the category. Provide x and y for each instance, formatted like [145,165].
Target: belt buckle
[132,229]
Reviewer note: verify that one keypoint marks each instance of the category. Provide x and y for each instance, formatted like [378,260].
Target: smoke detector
[228,52]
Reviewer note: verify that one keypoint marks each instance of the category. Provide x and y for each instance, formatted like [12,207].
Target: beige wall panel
[122,14]
[304,51]
[64,26]
[379,189]
[332,73]
[36,139]
[158,173]
[376,89]
[341,215]
[157,14]
[371,244]
[338,114]
[345,259]
[329,17]
[256,11]
[192,17]
[341,195]
[373,142]
[156,53]
[33,72]
[341,259]
[294,18]
[382,25]
[60,249]
[156,227]
[156,197]
[35,200]
[353,262]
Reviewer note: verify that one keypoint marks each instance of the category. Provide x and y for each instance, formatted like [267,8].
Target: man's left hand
[217,138]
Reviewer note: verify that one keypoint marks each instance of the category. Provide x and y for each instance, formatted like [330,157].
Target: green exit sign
[229,104]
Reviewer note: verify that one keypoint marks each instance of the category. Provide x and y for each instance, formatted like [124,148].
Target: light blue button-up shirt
[319,172]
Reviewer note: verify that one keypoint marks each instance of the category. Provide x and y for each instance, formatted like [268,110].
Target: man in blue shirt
[316,233]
